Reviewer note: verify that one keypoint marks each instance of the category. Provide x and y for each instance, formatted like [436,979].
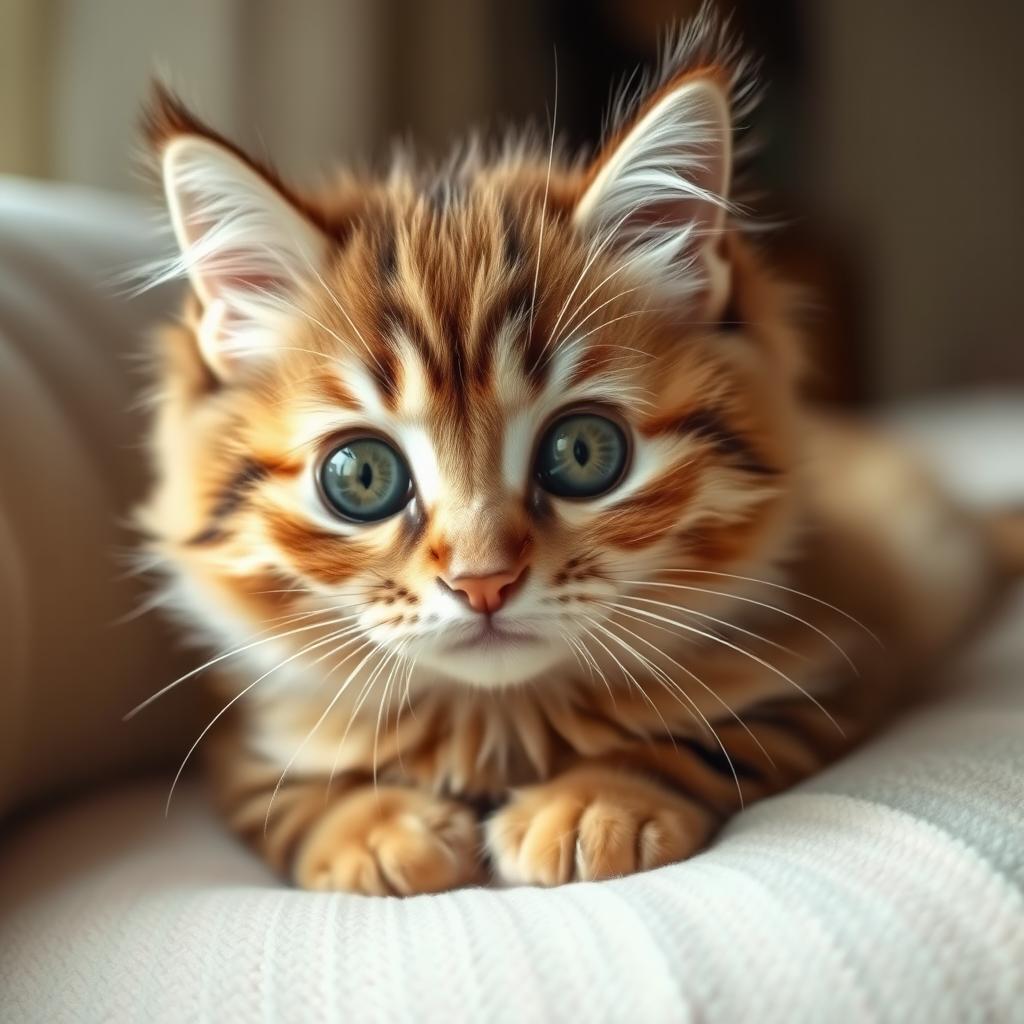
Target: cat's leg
[355,837]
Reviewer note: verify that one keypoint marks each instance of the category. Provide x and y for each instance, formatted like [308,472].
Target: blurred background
[893,150]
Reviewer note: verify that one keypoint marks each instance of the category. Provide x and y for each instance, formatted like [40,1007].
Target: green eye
[582,455]
[365,479]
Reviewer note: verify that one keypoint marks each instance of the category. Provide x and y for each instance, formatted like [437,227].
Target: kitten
[496,488]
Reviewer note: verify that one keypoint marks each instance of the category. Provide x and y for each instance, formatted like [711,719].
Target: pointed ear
[244,243]
[659,191]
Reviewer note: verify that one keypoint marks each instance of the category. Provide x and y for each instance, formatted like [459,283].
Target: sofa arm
[70,469]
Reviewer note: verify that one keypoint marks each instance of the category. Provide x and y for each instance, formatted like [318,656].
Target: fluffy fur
[745,604]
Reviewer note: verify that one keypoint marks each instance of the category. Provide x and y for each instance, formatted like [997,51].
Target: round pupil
[365,479]
[581,456]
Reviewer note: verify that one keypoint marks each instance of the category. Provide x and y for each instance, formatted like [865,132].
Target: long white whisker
[544,207]
[327,710]
[630,681]
[391,656]
[789,590]
[597,309]
[344,313]
[237,697]
[760,604]
[228,654]
[579,339]
[617,270]
[364,692]
[659,674]
[595,667]
[747,654]
[628,613]
[574,648]
[629,675]
[731,626]
[693,709]
[395,676]
[595,254]
[356,629]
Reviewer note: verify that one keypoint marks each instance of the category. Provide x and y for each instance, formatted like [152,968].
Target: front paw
[592,823]
[390,841]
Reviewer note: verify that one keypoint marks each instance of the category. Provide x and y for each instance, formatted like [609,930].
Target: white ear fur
[661,196]
[244,247]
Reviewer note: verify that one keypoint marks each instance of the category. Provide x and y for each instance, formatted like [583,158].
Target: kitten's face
[465,424]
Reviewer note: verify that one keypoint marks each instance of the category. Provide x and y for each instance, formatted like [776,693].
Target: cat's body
[500,485]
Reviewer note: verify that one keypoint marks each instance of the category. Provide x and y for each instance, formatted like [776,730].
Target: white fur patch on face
[359,381]
[511,387]
[414,393]
[422,455]
[517,450]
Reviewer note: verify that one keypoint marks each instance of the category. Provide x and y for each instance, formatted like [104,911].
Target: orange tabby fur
[677,678]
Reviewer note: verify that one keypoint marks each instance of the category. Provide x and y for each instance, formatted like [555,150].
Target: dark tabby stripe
[715,759]
[229,499]
[708,425]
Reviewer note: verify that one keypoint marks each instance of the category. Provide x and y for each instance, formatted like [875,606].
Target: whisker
[579,339]
[544,206]
[570,642]
[593,291]
[407,687]
[747,654]
[597,667]
[395,678]
[344,313]
[625,611]
[760,604]
[228,654]
[237,697]
[364,692]
[660,676]
[591,259]
[690,707]
[316,725]
[597,309]
[789,590]
[342,634]
[728,625]
[628,674]
[391,656]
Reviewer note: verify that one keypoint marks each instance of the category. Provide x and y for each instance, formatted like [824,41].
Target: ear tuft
[245,245]
[165,117]
[658,192]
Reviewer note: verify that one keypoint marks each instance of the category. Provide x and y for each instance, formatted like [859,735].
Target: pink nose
[486,594]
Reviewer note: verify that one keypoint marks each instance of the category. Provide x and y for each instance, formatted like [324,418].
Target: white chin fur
[493,667]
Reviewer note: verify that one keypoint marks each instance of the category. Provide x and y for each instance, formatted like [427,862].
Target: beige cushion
[70,469]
